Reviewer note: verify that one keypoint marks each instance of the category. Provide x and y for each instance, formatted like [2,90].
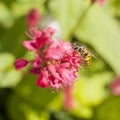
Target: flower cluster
[55,63]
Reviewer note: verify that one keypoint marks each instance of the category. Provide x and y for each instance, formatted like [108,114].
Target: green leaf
[6,60]
[100,31]
[11,10]
[16,106]
[20,8]
[67,13]
[28,90]
[92,89]
[11,40]
[89,92]
[5,15]
[110,106]
[9,77]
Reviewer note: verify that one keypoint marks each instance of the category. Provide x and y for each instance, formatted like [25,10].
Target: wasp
[85,53]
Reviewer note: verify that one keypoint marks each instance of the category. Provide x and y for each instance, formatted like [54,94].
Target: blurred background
[95,95]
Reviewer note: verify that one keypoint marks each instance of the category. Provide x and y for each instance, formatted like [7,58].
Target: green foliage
[31,93]
[32,102]
[68,13]
[9,77]
[90,91]
[11,39]
[109,110]
[116,7]
[14,9]
[25,110]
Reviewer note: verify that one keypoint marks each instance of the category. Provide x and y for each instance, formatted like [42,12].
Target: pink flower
[33,18]
[39,38]
[54,52]
[20,63]
[55,63]
[101,2]
[115,86]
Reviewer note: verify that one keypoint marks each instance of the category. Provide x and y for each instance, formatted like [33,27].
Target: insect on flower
[55,63]
[85,53]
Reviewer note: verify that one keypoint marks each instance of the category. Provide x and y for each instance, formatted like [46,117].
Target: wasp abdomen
[84,52]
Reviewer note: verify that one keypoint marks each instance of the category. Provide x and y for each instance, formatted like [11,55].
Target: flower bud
[20,63]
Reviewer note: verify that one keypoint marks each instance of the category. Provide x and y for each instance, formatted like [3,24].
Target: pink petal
[101,2]
[54,52]
[51,30]
[55,85]
[35,70]
[65,65]
[30,45]
[66,47]
[68,76]
[43,80]
[53,70]
[37,62]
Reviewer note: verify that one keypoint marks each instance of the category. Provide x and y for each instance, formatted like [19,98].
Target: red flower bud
[20,63]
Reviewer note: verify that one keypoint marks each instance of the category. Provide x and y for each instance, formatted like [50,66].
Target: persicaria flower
[56,63]
[115,86]
[99,1]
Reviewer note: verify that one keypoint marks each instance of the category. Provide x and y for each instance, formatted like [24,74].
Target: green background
[97,27]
